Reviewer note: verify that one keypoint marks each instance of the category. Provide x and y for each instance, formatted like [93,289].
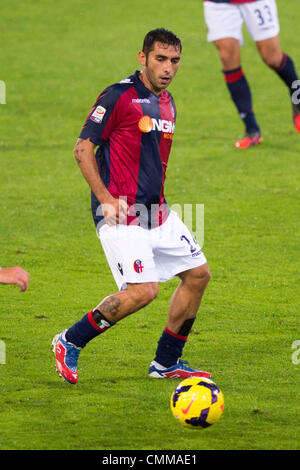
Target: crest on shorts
[138,266]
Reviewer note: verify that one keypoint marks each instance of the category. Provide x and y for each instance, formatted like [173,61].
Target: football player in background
[224,20]
[145,242]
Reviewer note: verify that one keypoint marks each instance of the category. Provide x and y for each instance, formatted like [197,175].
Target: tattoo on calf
[110,305]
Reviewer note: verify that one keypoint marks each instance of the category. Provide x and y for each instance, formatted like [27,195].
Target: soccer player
[145,242]
[15,275]
[224,20]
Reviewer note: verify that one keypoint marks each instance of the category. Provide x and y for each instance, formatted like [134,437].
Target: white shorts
[225,20]
[137,255]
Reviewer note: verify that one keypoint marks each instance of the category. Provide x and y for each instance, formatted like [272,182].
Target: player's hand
[114,211]
[15,275]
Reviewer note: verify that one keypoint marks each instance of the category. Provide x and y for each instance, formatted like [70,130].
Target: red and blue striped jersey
[236,2]
[133,129]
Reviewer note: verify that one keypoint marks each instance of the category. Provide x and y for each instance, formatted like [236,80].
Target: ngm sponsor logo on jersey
[148,124]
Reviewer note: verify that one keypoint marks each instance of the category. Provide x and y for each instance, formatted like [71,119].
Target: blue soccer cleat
[179,371]
[66,356]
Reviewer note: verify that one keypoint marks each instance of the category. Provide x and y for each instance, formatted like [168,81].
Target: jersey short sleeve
[102,118]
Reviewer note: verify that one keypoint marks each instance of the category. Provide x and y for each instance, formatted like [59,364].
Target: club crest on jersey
[138,266]
[147,124]
[98,114]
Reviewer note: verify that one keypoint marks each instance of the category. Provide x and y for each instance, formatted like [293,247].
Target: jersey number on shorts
[263,16]
[192,248]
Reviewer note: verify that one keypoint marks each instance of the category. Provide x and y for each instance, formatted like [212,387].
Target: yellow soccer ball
[197,403]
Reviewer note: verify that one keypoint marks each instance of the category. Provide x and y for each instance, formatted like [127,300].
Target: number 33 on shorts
[263,15]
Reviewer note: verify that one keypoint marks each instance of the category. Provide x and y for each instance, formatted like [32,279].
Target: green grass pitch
[56,56]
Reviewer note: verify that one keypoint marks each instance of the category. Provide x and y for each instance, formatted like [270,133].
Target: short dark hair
[160,35]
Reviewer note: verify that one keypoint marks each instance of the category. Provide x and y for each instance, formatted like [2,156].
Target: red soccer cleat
[249,141]
[296,117]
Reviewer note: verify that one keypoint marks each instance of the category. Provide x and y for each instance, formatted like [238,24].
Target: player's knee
[229,56]
[145,293]
[199,278]
[204,276]
[226,59]
[150,292]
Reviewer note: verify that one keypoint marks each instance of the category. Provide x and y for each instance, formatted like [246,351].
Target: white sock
[158,366]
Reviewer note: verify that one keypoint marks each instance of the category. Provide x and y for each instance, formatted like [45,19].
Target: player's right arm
[98,126]
[114,210]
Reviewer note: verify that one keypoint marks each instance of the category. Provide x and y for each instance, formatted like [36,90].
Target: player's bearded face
[159,66]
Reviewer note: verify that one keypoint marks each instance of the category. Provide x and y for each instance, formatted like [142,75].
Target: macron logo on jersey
[148,124]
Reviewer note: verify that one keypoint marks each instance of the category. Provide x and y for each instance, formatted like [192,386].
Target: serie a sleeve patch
[98,114]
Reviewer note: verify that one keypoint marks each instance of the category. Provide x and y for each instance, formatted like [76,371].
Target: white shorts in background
[137,255]
[225,20]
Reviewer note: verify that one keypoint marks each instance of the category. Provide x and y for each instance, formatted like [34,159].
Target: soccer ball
[197,403]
